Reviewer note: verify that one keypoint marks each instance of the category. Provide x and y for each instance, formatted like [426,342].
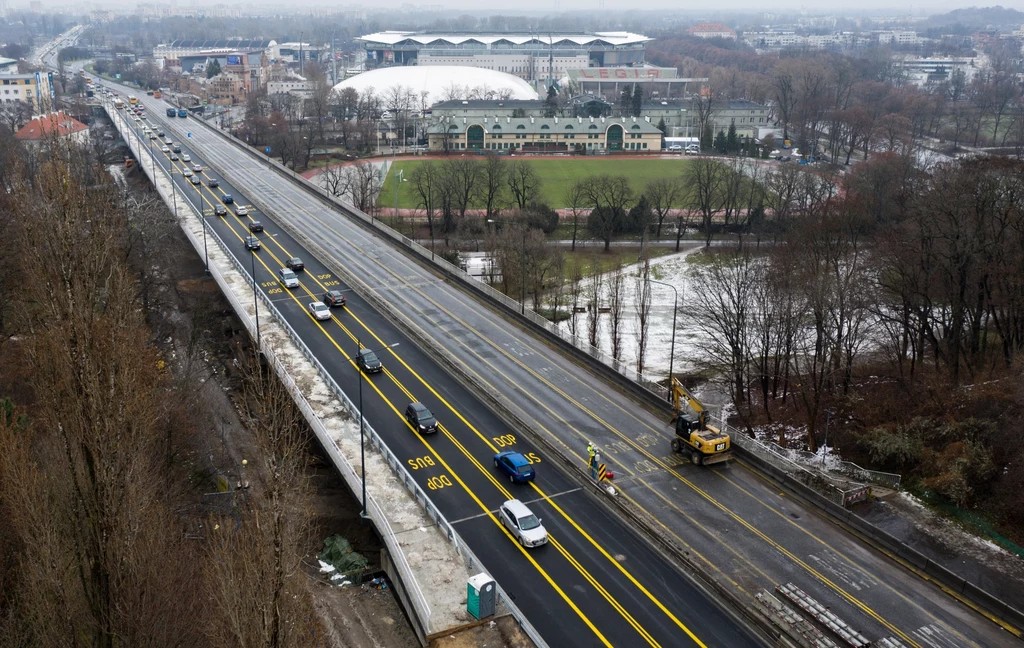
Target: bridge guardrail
[373,509]
[657,390]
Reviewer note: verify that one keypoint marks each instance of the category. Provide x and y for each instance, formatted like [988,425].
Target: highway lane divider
[410,591]
[656,396]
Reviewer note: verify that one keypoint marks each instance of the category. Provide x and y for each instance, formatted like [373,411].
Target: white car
[165,149]
[288,278]
[198,168]
[241,211]
[522,523]
[675,148]
[186,158]
[319,310]
[187,172]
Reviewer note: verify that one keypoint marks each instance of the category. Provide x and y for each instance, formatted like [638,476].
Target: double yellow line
[488,474]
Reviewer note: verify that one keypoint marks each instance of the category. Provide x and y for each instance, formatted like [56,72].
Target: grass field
[556,174]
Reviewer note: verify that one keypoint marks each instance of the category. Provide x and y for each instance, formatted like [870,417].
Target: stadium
[531,57]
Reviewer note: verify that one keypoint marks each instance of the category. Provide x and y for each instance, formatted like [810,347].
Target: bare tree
[365,181]
[425,182]
[595,286]
[705,178]
[616,306]
[255,566]
[642,299]
[663,194]
[493,183]
[576,201]
[575,291]
[523,182]
[609,196]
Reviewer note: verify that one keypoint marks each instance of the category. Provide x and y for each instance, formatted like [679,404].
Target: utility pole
[334,63]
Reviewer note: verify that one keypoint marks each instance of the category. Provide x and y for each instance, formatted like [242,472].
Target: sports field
[556,175]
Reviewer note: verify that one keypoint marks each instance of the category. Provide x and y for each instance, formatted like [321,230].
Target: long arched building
[585,135]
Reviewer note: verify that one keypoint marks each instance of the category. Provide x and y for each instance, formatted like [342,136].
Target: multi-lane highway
[596,582]
[744,532]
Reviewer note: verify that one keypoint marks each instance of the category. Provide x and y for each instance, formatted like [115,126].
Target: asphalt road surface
[596,582]
[745,532]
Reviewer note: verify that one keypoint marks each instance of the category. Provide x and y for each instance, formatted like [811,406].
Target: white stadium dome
[437,80]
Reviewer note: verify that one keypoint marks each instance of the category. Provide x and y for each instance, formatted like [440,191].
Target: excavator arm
[679,395]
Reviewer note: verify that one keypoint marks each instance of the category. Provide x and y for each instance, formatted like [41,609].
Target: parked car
[522,523]
[368,361]
[252,243]
[675,148]
[334,298]
[288,278]
[516,467]
[319,310]
[296,264]
[420,418]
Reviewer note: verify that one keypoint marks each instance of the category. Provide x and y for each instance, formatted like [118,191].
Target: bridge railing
[374,440]
[580,343]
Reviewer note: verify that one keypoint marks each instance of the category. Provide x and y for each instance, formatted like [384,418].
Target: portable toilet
[480,591]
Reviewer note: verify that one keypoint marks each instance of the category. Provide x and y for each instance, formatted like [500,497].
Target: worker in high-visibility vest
[590,454]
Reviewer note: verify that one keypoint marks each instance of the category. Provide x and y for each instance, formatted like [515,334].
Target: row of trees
[925,291]
[101,548]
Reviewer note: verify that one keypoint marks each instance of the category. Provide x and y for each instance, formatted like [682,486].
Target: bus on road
[118,104]
[133,100]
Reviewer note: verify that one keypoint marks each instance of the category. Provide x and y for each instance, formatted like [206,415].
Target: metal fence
[835,490]
[845,468]
[583,345]
[417,599]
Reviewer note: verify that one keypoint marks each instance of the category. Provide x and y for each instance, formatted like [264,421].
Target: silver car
[522,523]
[319,310]
[288,278]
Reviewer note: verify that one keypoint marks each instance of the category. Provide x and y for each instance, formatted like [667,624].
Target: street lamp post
[522,293]
[362,435]
[255,301]
[675,312]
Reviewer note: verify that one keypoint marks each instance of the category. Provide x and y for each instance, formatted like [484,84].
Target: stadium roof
[425,38]
[216,44]
[441,81]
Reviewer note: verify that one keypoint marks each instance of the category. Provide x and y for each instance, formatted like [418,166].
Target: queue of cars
[514,515]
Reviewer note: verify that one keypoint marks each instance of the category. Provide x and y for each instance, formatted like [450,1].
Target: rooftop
[483,38]
[44,126]
[546,124]
[247,44]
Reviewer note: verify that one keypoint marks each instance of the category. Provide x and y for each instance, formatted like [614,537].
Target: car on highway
[334,298]
[288,278]
[213,182]
[165,149]
[220,210]
[187,172]
[319,310]
[255,226]
[241,210]
[177,147]
[160,134]
[228,198]
[420,418]
[152,136]
[195,180]
[368,361]
[186,158]
[198,168]
[296,264]
[174,157]
[252,243]
[516,467]
[522,523]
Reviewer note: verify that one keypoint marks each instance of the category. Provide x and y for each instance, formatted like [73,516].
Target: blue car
[515,465]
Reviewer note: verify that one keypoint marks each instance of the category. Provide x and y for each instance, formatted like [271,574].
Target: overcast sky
[840,7]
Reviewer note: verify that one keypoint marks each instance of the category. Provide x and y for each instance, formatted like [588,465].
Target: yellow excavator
[705,443]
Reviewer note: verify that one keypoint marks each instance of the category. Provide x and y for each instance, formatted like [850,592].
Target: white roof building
[442,83]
